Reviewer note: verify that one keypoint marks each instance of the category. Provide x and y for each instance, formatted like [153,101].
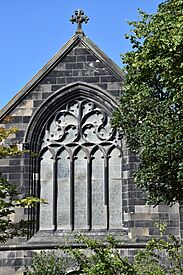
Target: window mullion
[89,195]
[72,193]
[55,194]
[106,188]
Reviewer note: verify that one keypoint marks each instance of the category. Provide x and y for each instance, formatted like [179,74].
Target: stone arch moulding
[57,99]
[77,162]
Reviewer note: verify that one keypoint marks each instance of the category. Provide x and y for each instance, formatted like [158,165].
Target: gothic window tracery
[80,170]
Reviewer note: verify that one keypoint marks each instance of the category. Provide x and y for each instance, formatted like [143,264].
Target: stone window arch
[78,165]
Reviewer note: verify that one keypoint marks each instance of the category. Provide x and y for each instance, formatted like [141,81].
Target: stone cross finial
[79,18]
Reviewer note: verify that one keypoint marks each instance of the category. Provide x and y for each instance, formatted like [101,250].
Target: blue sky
[33,31]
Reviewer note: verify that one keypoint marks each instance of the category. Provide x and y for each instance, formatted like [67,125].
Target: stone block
[60,80]
[138,231]
[140,216]
[26,119]
[22,112]
[81,58]
[26,104]
[144,209]
[7,270]
[81,51]
[82,79]
[108,78]
[102,85]
[56,87]
[17,119]
[154,209]
[69,58]
[115,93]
[163,208]
[174,209]
[173,223]
[40,88]
[37,103]
[74,66]
[48,80]
[114,86]
[4,162]
[91,58]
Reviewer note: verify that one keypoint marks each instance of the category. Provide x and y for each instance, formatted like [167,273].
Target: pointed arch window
[80,170]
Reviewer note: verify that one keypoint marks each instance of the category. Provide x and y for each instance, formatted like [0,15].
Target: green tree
[101,258]
[8,193]
[46,263]
[160,256]
[151,110]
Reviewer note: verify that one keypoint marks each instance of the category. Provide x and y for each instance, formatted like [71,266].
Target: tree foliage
[102,258]
[8,193]
[160,257]
[46,263]
[151,109]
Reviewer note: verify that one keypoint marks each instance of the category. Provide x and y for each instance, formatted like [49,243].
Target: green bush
[45,263]
[160,256]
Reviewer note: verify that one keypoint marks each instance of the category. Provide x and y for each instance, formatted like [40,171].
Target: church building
[78,162]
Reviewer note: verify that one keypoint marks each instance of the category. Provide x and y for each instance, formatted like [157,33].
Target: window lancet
[80,170]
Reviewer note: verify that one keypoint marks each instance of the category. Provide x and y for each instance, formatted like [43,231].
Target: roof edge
[75,39]
[38,76]
[112,66]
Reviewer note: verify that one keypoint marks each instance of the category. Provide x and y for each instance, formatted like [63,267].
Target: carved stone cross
[79,18]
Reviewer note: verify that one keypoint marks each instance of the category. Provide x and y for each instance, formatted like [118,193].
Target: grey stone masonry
[79,61]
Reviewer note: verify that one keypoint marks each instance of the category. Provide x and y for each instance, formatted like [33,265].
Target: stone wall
[79,65]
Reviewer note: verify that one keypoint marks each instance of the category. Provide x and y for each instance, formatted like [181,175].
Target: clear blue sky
[32,31]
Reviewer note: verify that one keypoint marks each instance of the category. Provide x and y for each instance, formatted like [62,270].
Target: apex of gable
[78,60]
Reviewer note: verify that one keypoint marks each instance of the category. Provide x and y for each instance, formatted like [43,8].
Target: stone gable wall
[139,219]
[78,65]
